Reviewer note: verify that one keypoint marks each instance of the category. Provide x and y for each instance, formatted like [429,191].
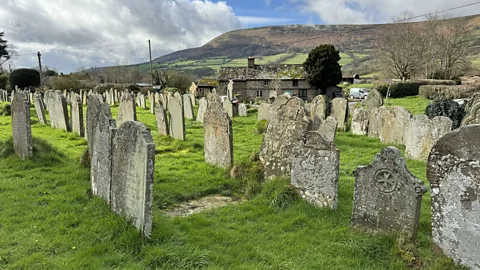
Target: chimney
[251,62]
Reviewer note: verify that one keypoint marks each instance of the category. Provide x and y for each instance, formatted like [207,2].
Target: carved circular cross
[384,181]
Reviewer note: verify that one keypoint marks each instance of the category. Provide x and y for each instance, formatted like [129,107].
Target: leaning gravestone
[315,165]
[360,120]
[39,109]
[242,110]
[187,107]
[76,112]
[340,112]
[21,129]
[264,112]
[374,99]
[218,136]
[127,110]
[177,122]
[453,170]
[133,158]
[328,129]
[100,127]
[473,114]
[286,127]
[318,111]
[202,107]
[161,118]
[387,196]
[422,133]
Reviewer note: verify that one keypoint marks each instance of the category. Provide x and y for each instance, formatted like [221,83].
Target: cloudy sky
[76,34]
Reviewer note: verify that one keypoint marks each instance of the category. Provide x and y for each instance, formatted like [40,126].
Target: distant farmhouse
[269,81]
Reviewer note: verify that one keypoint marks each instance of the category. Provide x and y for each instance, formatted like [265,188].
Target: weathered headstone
[127,110]
[340,112]
[161,119]
[93,106]
[152,105]
[141,101]
[360,120]
[318,111]
[374,99]
[21,128]
[230,90]
[59,112]
[187,107]
[389,124]
[453,170]
[242,110]
[39,109]
[264,112]
[473,115]
[177,122]
[218,136]
[286,127]
[133,158]
[315,165]
[387,196]
[328,129]
[422,133]
[76,112]
[228,108]
[202,107]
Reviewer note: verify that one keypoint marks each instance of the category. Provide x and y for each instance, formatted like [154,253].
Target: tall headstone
[161,119]
[230,90]
[328,129]
[453,170]
[93,107]
[76,112]
[286,127]
[193,92]
[387,196]
[21,129]
[202,107]
[315,165]
[242,110]
[177,122]
[340,112]
[59,112]
[360,120]
[218,136]
[133,160]
[127,110]
[374,99]
[318,111]
[141,101]
[187,107]
[152,105]
[39,109]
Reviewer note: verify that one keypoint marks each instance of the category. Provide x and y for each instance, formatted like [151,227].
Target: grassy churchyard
[50,220]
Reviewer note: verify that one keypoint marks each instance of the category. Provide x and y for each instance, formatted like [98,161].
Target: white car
[360,93]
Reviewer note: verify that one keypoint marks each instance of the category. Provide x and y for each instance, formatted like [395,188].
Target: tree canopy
[4,54]
[322,67]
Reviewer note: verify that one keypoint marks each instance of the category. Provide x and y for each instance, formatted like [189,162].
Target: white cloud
[73,34]
[377,11]
[252,20]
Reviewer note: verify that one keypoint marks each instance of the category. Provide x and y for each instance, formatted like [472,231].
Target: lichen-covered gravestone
[188,107]
[218,136]
[242,110]
[39,109]
[340,112]
[315,164]
[453,170]
[374,99]
[360,120]
[387,196]
[389,124]
[328,129]
[473,114]
[127,110]
[422,133]
[318,111]
[133,158]
[161,118]
[286,127]
[76,112]
[177,122]
[92,111]
[202,107]
[21,128]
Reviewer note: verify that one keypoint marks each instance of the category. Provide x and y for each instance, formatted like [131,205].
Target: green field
[50,220]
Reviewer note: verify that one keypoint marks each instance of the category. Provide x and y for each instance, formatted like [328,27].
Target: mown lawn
[415,104]
[49,220]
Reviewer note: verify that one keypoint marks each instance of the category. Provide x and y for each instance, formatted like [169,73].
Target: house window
[265,82]
[302,93]
[259,93]
[295,83]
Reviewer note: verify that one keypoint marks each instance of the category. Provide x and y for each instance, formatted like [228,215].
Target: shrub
[6,111]
[446,92]
[410,88]
[24,77]
[62,83]
[249,175]
[3,81]
[448,108]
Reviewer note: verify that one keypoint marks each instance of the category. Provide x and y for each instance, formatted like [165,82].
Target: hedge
[448,108]
[446,92]
[24,77]
[409,88]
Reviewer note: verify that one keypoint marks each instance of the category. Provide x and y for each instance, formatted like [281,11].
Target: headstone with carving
[21,128]
[473,114]
[218,136]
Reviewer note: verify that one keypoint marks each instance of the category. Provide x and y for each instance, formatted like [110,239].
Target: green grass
[415,104]
[299,58]
[49,220]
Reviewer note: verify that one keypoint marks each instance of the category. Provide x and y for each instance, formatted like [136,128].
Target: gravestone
[59,111]
[161,119]
[315,165]
[152,105]
[242,110]
[340,112]
[93,106]
[218,136]
[84,99]
[422,133]
[21,128]
[473,114]
[228,108]
[318,111]
[187,107]
[202,107]
[264,112]
[133,159]
[360,121]
[453,171]
[328,129]
[387,196]
[141,101]
[230,90]
[39,109]
[389,124]
[127,110]
[286,127]
[76,112]
[374,99]
[177,122]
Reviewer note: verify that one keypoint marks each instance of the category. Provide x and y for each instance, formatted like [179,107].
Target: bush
[448,108]
[3,81]
[24,77]
[446,92]
[410,88]
[62,83]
